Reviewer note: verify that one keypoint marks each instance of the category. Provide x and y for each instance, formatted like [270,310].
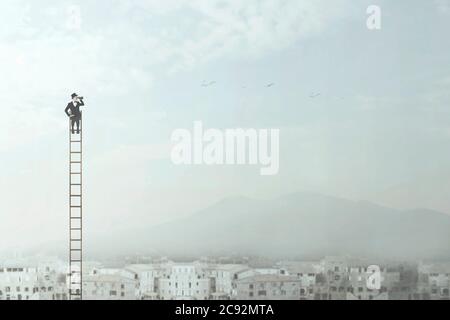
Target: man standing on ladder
[73,112]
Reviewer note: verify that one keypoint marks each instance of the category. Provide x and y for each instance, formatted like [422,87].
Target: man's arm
[81,102]
[67,110]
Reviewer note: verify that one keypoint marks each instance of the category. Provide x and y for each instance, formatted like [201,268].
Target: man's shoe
[73,131]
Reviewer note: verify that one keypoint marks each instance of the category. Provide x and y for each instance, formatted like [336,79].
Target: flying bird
[270,85]
[314,95]
[208,84]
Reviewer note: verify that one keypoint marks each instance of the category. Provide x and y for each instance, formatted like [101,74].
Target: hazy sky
[379,131]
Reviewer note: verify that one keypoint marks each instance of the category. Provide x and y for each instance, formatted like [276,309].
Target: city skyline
[362,114]
[160,278]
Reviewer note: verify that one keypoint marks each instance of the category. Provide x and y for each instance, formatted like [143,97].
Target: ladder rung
[75,161]
[75,206]
[75,195]
[75,249]
[76,229]
[75,152]
[76,239]
[75,261]
[75,172]
[75,184]
[75,217]
[75,141]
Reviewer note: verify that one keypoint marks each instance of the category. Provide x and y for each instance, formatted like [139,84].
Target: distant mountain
[294,226]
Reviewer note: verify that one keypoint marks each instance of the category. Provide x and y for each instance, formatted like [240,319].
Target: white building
[19,284]
[184,282]
[31,283]
[306,272]
[435,278]
[146,276]
[223,278]
[106,286]
[268,287]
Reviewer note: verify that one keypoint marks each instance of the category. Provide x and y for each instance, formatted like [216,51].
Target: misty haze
[353,98]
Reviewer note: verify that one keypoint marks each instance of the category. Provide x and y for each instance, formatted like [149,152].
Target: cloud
[209,30]
[121,53]
[443,6]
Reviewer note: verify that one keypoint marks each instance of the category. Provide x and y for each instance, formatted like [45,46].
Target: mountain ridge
[301,224]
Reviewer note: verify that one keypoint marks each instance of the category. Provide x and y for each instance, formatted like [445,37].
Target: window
[262,293]
[113,293]
[250,294]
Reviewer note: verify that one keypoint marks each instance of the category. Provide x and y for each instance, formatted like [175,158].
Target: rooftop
[268,278]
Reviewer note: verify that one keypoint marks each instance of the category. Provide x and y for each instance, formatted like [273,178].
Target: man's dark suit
[75,114]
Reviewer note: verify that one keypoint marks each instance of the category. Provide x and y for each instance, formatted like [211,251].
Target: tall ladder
[75,214]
